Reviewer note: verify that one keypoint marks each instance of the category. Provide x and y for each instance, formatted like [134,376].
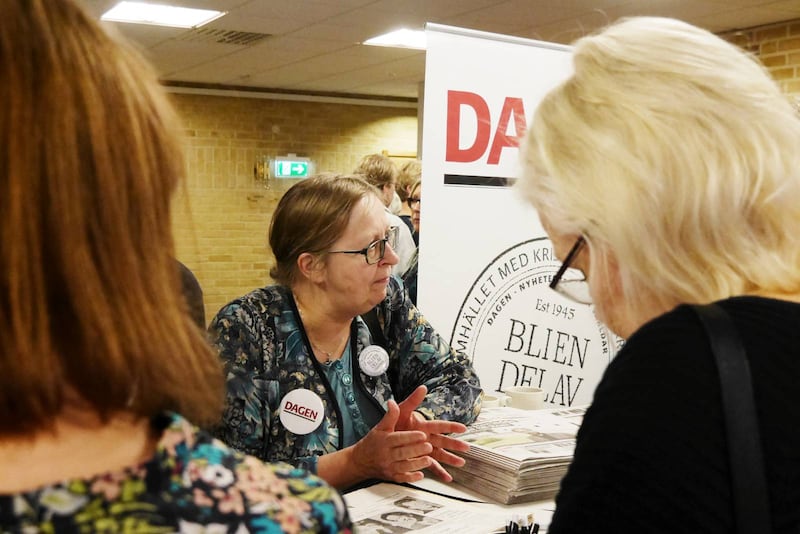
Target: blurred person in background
[414,202]
[666,169]
[381,172]
[193,294]
[410,173]
[100,354]
[333,368]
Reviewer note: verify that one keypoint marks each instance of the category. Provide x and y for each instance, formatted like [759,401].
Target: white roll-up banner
[485,262]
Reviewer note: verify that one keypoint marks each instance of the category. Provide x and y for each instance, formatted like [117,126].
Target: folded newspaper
[387,508]
[518,455]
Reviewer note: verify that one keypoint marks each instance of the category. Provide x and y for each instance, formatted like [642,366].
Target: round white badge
[373,360]
[302,411]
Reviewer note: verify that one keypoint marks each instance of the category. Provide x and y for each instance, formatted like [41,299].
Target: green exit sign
[291,167]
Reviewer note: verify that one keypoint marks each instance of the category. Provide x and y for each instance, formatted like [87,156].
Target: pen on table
[524,527]
[521,525]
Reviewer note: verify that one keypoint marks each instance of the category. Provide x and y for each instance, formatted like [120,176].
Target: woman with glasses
[414,202]
[666,171]
[317,364]
[410,173]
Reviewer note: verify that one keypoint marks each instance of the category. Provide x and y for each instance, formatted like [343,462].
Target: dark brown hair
[90,301]
[310,217]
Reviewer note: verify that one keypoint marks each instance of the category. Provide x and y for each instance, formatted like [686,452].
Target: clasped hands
[404,443]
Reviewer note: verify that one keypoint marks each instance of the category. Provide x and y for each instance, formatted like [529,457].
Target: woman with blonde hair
[410,174]
[666,171]
[414,202]
[99,352]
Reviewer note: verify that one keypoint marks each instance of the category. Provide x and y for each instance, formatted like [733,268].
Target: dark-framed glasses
[375,251]
[413,201]
[571,282]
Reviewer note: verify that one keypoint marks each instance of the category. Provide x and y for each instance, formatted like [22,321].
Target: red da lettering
[458,101]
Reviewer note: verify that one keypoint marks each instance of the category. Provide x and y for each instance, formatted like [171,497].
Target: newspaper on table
[518,455]
[388,508]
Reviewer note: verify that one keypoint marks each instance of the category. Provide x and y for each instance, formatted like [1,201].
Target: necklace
[328,353]
[337,349]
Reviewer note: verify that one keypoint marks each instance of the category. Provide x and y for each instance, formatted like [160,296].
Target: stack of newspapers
[518,455]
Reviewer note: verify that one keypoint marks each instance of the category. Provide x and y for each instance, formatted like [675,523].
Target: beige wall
[778,48]
[223,214]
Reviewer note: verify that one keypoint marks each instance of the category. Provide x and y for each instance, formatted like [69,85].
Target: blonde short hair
[410,173]
[377,169]
[675,151]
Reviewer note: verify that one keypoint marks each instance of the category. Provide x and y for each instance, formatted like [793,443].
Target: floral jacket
[193,484]
[266,355]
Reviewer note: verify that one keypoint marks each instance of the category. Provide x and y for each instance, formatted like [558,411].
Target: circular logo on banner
[373,360]
[519,332]
[302,411]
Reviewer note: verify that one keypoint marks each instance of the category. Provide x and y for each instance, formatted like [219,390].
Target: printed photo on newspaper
[388,508]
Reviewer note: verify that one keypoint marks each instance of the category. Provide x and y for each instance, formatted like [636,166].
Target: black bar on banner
[479,181]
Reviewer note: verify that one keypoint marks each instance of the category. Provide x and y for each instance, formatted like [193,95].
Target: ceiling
[312,46]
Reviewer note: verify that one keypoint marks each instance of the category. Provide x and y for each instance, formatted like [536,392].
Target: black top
[651,455]
[193,294]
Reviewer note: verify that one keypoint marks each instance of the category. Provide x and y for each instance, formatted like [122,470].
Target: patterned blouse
[267,355]
[193,484]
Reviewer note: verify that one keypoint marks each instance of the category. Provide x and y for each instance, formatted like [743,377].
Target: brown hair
[410,172]
[310,217]
[377,169]
[90,299]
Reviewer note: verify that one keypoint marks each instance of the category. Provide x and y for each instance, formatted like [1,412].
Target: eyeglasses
[413,200]
[571,282]
[375,251]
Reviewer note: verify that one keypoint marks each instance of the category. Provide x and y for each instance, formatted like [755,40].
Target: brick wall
[778,48]
[222,214]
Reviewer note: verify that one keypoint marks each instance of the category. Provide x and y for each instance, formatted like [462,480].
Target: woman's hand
[392,454]
[435,431]
[398,448]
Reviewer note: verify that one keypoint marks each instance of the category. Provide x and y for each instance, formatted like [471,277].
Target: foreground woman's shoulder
[221,486]
[192,483]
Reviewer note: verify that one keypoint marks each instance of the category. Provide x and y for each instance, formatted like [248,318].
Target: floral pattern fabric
[266,355]
[194,483]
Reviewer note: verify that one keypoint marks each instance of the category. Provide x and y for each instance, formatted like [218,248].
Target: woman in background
[317,364]
[410,173]
[667,170]
[99,352]
[414,202]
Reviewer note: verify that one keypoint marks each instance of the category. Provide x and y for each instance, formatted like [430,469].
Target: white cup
[492,401]
[525,397]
